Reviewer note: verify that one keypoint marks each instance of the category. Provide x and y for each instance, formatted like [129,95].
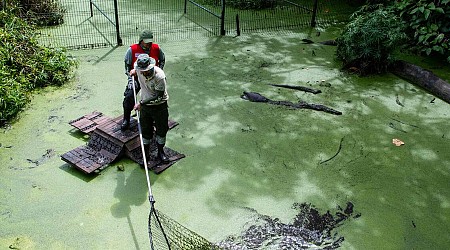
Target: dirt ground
[241,157]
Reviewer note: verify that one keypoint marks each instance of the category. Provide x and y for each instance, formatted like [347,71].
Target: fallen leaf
[397,142]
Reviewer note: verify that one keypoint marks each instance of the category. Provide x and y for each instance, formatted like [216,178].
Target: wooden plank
[109,125]
[107,143]
[87,158]
[108,137]
[133,144]
[88,165]
[89,129]
[93,115]
[118,119]
[70,157]
[101,119]
[79,123]
[75,155]
[161,167]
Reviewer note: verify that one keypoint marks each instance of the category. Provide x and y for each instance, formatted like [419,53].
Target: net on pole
[166,233]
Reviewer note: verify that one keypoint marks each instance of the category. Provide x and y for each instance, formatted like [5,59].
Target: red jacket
[136,50]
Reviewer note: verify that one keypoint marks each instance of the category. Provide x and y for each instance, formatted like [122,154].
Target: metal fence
[104,23]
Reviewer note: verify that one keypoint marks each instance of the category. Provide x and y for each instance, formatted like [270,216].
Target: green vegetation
[428,25]
[42,12]
[379,27]
[26,65]
[369,41]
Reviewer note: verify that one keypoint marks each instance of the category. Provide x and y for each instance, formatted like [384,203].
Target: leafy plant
[428,24]
[39,12]
[369,41]
[26,65]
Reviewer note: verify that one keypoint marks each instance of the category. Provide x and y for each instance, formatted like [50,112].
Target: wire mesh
[166,233]
[85,26]
[206,17]
[280,15]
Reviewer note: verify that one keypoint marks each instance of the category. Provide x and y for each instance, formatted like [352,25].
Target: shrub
[369,41]
[42,12]
[26,65]
[428,25]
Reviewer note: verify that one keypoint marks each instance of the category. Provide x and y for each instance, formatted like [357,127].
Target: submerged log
[423,78]
[306,89]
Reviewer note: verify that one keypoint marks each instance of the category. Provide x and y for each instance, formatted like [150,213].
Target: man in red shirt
[145,46]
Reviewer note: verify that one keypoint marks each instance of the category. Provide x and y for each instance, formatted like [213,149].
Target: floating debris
[397,142]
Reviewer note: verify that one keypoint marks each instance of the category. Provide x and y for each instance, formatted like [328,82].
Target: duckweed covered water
[241,157]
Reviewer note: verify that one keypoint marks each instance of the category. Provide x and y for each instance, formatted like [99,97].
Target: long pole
[144,158]
[150,194]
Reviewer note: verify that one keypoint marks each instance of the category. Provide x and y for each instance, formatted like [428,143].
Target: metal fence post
[116,15]
[313,18]
[238,26]
[185,6]
[222,19]
[90,6]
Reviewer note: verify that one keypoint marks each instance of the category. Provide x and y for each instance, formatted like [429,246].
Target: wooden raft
[108,143]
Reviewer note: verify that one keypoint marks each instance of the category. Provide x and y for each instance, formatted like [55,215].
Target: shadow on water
[267,152]
[272,151]
[130,191]
[77,173]
[79,135]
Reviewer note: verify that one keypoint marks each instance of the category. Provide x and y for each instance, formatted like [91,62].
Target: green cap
[146,36]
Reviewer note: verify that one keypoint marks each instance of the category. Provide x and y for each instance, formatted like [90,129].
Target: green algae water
[242,157]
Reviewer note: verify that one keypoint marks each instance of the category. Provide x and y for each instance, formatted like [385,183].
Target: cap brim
[149,67]
[148,40]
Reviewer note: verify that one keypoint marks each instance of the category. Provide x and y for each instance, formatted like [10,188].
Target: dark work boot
[161,154]
[126,121]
